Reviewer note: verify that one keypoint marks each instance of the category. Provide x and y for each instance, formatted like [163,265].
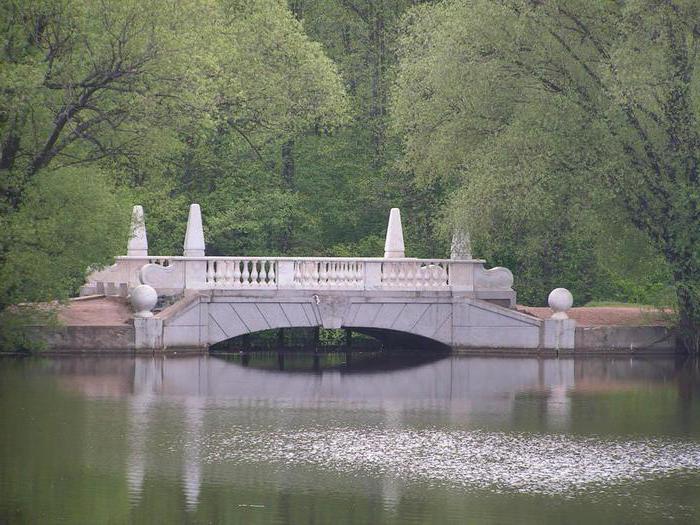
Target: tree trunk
[288,164]
[287,173]
[377,55]
[688,315]
[297,8]
[10,148]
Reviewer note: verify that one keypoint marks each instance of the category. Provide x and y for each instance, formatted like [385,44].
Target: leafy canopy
[547,117]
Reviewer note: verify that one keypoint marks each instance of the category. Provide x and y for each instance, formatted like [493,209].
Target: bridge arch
[213,319]
[205,319]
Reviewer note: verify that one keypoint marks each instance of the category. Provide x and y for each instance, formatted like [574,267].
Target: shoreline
[103,325]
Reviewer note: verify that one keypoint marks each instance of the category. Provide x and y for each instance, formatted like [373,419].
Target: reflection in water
[148,375]
[270,425]
[548,464]
[192,470]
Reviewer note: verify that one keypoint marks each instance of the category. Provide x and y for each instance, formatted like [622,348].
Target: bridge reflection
[317,362]
[204,396]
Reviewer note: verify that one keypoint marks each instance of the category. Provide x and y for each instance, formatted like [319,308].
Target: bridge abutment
[204,318]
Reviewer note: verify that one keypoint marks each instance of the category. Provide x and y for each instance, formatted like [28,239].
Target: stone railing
[418,274]
[240,272]
[174,274]
[171,275]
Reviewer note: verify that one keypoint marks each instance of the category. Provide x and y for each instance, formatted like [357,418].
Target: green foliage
[71,219]
[552,119]
[17,322]
[562,135]
[171,102]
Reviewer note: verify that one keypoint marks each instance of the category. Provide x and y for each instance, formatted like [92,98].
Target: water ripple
[519,462]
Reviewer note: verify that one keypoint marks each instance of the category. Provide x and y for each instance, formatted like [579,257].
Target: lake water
[365,438]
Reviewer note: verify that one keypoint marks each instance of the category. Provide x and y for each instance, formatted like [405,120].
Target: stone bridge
[454,302]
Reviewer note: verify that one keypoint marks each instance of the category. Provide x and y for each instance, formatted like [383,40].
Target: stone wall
[67,339]
[636,339]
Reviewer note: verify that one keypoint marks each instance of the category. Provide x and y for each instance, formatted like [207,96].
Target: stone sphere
[143,299]
[560,300]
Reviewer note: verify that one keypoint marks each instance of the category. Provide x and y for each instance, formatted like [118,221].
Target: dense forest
[563,136]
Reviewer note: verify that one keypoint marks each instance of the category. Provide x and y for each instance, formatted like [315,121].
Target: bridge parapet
[175,274]
[171,275]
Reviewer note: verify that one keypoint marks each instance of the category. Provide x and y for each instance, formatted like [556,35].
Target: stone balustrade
[170,275]
[173,274]
[241,272]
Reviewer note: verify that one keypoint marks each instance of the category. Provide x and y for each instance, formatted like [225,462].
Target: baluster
[305,273]
[224,273]
[219,273]
[338,274]
[359,274]
[332,274]
[324,277]
[428,275]
[236,274]
[245,274]
[264,272]
[400,274]
[210,272]
[271,274]
[314,274]
[409,278]
[434,275]
[441,275]
[421,275]
[254,273]
[350,273]
[297,273]
[389,268]
[343,274]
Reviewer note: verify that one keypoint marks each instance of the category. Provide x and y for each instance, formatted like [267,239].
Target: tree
[71,219]
[83,81]
[535,103]
[154,100]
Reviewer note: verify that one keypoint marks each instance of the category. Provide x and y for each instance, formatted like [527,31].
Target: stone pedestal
[148,333]
[558,334]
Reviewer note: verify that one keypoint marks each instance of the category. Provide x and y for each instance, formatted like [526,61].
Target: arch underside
[395,323]
[413,321]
